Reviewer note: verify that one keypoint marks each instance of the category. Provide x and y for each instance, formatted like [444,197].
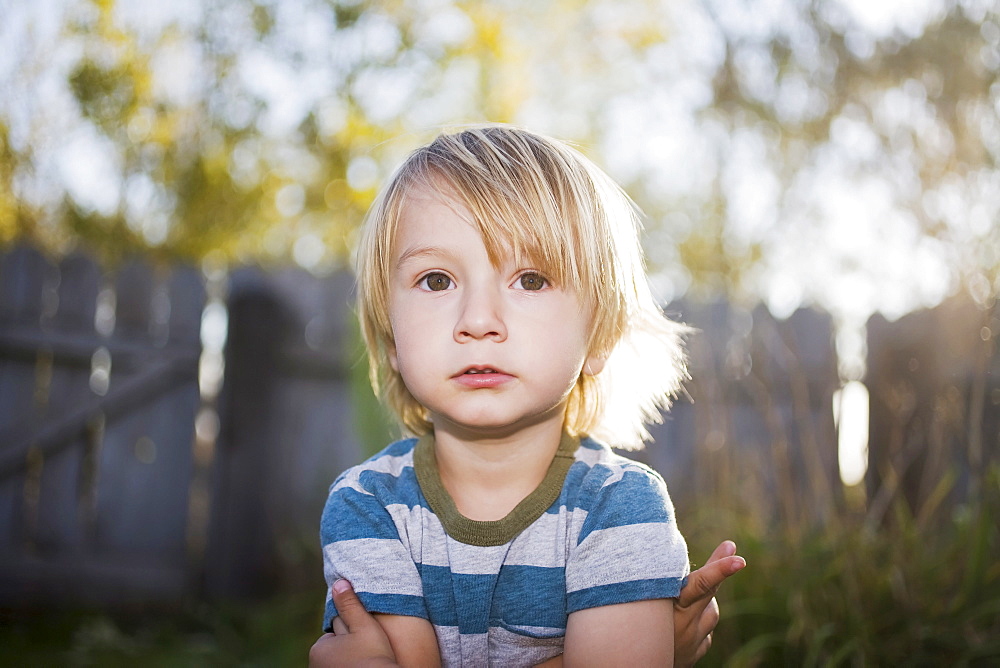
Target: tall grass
[912,590]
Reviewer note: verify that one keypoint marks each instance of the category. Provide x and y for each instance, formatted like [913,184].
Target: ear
[594,364]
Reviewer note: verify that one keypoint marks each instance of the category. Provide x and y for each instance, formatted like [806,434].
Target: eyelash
[425,284]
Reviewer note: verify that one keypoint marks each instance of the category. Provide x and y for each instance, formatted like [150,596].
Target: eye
[532,281]
[435,282]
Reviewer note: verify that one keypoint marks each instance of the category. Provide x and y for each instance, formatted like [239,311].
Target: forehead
[424,212]
[434,219]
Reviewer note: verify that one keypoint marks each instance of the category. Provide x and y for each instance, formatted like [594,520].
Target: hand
[696,612]
[358,638]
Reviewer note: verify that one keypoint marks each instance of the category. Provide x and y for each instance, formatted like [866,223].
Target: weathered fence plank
[23,277]
[146,459]
[758,413]
[287,424]
[934,388]
[67,477]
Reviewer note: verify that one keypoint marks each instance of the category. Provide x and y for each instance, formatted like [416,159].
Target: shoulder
[366,490]
[391,463]
[598,472]
[605,490]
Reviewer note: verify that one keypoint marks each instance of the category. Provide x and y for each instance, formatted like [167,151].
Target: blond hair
[543,201]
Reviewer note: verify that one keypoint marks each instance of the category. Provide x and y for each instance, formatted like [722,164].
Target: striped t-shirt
[608,537]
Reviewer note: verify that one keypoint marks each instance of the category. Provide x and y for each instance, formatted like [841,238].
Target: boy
[501,293]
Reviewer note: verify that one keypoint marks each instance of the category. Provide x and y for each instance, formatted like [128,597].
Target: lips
[482,376]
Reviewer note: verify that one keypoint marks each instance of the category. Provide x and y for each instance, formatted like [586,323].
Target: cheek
[393,358]
[405,350]
[391,348]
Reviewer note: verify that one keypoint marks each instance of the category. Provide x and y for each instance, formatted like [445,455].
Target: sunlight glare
[850,410]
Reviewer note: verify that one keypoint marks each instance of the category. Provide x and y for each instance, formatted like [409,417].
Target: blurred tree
[909,115]
[765,144]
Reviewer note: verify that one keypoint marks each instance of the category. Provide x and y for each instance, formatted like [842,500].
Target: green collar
[493,532]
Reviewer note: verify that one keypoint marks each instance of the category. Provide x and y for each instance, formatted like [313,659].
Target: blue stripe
[350,515]
[473,604]
[530,596]
[624,592]
[396,449]
[391,604]
[328,615]
[637,498]
[522,596]
[439,594]
[401,489]
[457,599]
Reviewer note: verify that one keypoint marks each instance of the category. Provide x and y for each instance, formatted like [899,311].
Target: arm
[696,612]
[368,567]
[631,530]
[359,639]
[640,633]
[412,640]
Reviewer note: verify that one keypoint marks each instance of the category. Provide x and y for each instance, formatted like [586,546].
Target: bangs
[527,201]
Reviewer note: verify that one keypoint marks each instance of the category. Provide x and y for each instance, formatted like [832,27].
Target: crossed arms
[655,632]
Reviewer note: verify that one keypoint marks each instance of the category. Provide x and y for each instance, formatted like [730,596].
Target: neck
[487,476]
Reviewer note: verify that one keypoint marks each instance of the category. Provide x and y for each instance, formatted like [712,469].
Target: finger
[319,652]
[349,609]
[339,627]
[727,548]
[709,618]
[703,648]
[704,582]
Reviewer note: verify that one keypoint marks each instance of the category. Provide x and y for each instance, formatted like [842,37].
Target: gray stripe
[373,565]
[608,555]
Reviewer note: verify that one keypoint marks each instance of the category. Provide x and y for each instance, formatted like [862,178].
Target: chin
[492,424]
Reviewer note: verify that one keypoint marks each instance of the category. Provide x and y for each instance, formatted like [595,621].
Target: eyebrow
[420,251]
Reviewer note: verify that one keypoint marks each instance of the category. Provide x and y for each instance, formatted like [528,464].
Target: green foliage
[8,202]
[910,592]
[373,422]
[275,633]
[185,112]
[106,95]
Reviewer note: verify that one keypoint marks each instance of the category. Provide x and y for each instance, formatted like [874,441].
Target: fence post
[934,398]
[68,476]
[286,428]
[240,557]
[24,273]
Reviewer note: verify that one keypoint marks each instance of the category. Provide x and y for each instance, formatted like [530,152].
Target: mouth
[483,376]
[481,370]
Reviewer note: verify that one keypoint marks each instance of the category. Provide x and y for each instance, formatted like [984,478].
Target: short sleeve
[361,543]
[629,547]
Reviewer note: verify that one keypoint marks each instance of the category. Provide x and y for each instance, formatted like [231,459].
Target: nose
[481,316]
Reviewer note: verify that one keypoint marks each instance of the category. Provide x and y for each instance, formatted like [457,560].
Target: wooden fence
[115,487]
[934,383]
[95,428]
[757,421]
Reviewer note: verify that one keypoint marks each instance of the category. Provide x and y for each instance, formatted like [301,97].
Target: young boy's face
[487,350]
